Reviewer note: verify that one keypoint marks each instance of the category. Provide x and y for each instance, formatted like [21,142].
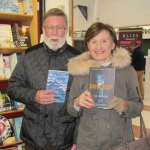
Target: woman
[101,129]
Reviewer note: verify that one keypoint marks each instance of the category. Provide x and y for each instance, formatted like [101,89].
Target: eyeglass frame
[51,28]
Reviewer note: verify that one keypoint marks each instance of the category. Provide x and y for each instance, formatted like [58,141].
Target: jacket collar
[55,53]
[80,65]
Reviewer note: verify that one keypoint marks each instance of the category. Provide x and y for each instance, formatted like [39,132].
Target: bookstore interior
[20,28]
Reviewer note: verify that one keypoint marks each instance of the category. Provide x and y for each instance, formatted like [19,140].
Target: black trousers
[47,147]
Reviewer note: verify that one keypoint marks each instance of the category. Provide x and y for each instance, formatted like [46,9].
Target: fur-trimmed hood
[80,65]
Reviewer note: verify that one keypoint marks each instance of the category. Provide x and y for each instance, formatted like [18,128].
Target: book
[11,6]
[17,126]
[13,61]
[58,81]
[5,128]
[25,40]
[1,67]
[11,137]
[21,146]
[2,6]
[15,34]
[5,104]
[18,105]
[6,39]
[1,142]
[11,148]
[27,6]
[101,85]
[6,67]
[18,57]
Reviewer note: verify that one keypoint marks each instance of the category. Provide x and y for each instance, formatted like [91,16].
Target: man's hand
[45,96]
[118,104]
[84,100]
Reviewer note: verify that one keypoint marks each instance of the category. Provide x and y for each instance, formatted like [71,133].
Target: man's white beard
[54,45]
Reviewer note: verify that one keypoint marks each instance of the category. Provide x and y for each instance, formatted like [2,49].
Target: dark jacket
[41,122]
[138,59]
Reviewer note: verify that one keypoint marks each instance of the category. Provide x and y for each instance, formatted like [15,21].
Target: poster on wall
[83,10]
[127,35]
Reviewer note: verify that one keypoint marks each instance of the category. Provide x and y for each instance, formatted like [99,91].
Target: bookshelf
[23,20]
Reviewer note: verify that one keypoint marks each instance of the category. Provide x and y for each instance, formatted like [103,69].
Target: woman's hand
[84,100]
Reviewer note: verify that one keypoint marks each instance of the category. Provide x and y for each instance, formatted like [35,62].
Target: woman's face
[101,46]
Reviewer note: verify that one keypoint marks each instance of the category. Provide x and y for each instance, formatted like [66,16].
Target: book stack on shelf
[8,104]
[5,102]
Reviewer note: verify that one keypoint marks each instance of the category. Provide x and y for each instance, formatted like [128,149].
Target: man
[138,64]
[46,125]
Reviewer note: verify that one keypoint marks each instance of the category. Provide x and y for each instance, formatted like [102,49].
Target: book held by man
[101,85]
[58,81]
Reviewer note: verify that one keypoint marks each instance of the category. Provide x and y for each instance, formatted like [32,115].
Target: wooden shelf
[10,112]
[10,50]
[11,144]
[4,80]
[15,17]
[79,39]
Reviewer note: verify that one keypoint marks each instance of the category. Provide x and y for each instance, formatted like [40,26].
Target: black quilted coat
[42,122]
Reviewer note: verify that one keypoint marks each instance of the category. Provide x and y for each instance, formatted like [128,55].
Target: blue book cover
[101,85]
[58,81]
[17,126]
[2,6]
[10,6]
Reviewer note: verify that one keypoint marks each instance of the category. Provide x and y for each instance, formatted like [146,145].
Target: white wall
[118,13]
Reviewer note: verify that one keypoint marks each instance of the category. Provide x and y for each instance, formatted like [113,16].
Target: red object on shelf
[3,84]
[13,115]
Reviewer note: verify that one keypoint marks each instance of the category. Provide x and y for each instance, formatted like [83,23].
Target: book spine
[1,142]
[27,6]
[15,34]
[13,106]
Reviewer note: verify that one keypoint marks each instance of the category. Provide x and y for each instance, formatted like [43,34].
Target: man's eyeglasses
[58,28]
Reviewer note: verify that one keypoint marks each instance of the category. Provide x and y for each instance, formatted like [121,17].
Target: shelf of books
[4,79]
[15,17]
[18,30]
[5,50]
[12,144]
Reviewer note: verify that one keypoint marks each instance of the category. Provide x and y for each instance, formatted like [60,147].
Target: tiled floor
[146,117]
